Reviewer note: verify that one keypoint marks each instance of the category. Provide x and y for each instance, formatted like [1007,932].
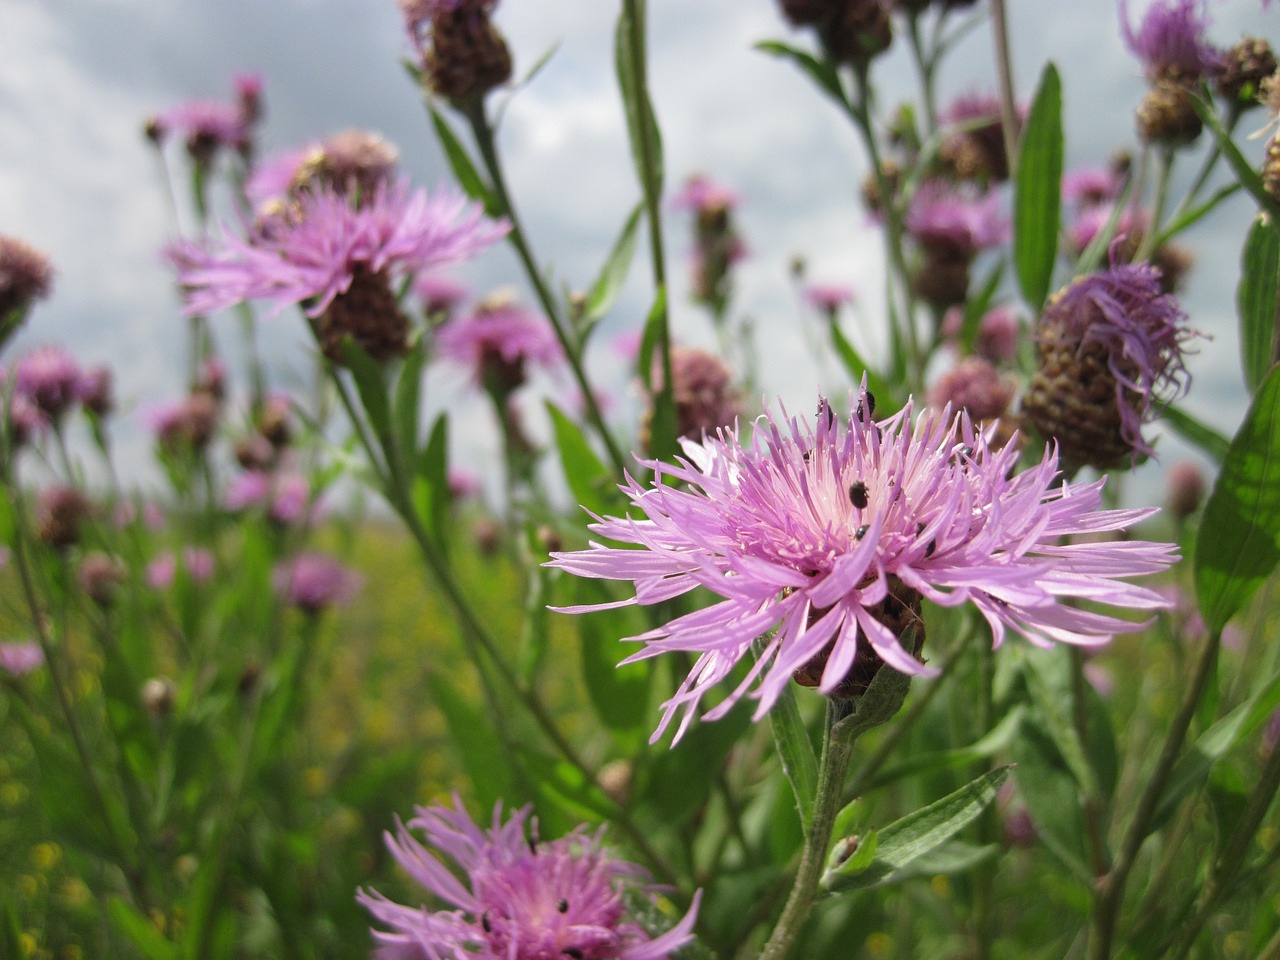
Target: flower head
[19,658]
[50,378]
[314,581]
[311,257]
[702,389]
[498,339]
[828,297]
[517,898]
[1091,186]
[25,275]
[1170,40]
[351,162]
[823,540]
[942,215]
[1111,349]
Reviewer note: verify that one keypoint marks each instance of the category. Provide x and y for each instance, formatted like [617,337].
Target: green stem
[925,65]
[1110,888]
[1163,174]
[1228,865]
[482,131]
[393,486]
[132,872]
[894,233]
[1004,68]
[988,822]
[834,762]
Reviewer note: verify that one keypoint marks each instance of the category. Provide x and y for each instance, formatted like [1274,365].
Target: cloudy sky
[77,78]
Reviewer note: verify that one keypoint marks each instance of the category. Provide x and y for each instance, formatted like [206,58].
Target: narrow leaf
[431,494]
[642,124]
[1037,191]
[408,398]
[604,292]
[821,72]
[1244,171]
[464,170]
[662,422]
[1239,544]
[620,695]
[140,931]
[589,481]
[917,834]
[476,742]
[795,752]
[1194,767]
[1256,300]
[1196,432]
[857,367]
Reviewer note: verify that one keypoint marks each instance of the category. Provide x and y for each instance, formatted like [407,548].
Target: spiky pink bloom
[1170,39]
[49,377]
[955,216]
[828,297]
[197,562]
[800,529]
[207,125]
[702,194]
[314,581]
[311,255]
[500,337]
[1090,186]
[1131,223]
[518,897]
[19,658]
[286,496]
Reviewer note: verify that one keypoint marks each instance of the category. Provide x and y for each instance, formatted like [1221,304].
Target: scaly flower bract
[312,254]
[803,532]
[519,898]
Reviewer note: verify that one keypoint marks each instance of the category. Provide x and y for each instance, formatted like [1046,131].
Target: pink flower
[17,659]
[513,896]
[498,339]
[828,297]
[197,563]
[1170,40]
[49,377]
[315,581]
[703,195]
[823,541]
[956,217]
[311,257]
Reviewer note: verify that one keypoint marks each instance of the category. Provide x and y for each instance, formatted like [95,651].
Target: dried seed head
[1166,117]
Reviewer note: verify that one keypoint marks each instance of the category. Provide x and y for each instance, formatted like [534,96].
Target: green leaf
[479,747]
[1244,171]
[918,834]
[1194,766]
[857,367]
[431,495]
[604,292]
[998,738]
[1256,300]
[460,162]
[1053,800]
[588,478]
[140,931]
[821,72]
[409,398]
[795,751]
[1037,191]
[1239,544]
[371,385]
[977,307]
[642,124]
[662,421]
[1197,433]
[620,695]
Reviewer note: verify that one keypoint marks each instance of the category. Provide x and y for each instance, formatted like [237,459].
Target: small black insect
[573,952]
[933,545]
[858,495]
[562,905]
[484,922]
[860,532]
[870,403]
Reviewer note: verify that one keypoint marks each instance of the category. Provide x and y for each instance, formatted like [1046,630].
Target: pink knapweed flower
[19,658]
[1111,350]
[702,195]
[315,581]
[815,537]
[49,377]
[828,297]
[1090,186]
[311,255]
[518,897]
[1170,39]
[498,339]
[956,217]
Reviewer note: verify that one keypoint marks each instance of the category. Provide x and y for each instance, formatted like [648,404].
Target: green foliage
[1037,193]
